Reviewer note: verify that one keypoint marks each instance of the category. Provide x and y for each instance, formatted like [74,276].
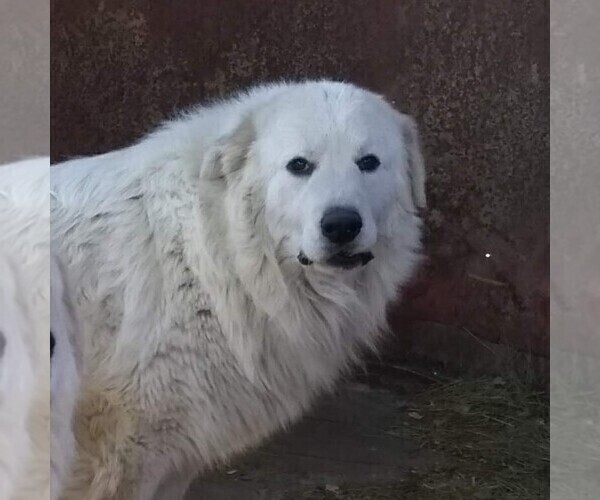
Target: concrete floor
[345,440]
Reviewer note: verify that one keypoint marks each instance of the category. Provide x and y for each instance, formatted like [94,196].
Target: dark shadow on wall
[474,74]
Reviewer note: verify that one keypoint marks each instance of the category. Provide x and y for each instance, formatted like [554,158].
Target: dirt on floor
[401,433]
[494,433]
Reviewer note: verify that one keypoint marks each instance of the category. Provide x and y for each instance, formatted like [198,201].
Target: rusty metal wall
[474,74]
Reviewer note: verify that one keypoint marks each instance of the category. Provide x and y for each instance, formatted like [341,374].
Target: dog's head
[329,167]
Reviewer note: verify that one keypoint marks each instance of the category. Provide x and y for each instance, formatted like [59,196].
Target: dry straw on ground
[493,433]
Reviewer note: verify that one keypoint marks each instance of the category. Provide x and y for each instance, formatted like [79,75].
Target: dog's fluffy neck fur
[278,309]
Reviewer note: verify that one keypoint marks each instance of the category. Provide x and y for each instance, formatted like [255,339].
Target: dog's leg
[161,480]
[106,466]
[109,478]
[174,488]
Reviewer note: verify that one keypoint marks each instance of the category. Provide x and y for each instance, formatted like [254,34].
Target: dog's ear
[229,154]
[416,164]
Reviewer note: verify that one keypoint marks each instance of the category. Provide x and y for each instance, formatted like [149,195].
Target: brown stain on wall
[474,74]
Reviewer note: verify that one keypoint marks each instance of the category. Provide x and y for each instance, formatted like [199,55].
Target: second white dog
[24,326]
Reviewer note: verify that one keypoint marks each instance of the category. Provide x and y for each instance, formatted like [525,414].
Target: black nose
[341,225]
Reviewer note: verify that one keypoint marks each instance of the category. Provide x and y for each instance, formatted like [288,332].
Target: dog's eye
[300,166]
[368,163]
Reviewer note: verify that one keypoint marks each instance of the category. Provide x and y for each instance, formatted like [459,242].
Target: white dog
[24,326]
[227,269]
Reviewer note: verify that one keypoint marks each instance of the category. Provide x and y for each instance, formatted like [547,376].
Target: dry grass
[494,433]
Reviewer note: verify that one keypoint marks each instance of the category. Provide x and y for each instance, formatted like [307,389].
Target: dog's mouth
[343,259]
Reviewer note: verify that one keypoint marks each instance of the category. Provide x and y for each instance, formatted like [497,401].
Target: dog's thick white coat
[24,326]
[202,334]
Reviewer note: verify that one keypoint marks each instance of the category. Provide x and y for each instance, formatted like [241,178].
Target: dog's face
[336,163]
